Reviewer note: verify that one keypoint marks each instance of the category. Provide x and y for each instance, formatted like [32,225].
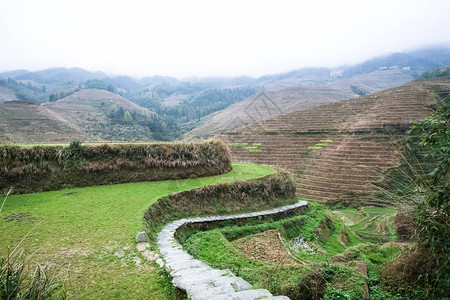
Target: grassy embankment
[90,232]
[328,261]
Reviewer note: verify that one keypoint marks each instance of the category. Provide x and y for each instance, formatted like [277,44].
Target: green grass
[84,227]
[362,243]
[372,223]
[315,147]
[214,248]
[253,148]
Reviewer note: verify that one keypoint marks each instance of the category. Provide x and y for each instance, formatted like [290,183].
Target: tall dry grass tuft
[6,197]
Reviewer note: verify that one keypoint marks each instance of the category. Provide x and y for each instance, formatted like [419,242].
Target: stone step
[198,279]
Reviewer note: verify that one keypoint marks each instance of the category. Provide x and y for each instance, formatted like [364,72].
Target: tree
[432,214]
[127,117]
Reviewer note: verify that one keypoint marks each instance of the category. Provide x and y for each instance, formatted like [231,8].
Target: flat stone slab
[141,246]
[198,279]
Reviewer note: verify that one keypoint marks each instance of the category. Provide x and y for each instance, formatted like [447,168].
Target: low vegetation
[326,257]
[42,168]
[270,191]
[89,232]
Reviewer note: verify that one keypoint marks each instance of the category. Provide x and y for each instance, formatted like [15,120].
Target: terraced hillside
[7,94]
[103,115]
[88,115]
[338,151]
[28,122]
[297,95]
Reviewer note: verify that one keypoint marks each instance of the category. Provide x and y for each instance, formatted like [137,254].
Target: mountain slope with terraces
[296,97]
[25,122]
[337,152]
[88,115]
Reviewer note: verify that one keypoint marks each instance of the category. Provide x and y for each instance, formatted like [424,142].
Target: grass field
[88,234]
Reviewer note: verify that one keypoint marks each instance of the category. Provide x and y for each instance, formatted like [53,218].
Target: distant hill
[7,94]
[103,115]
[415,62]
[340,152]
[26,122]
[58,75]
[88,115]
[184,104]
[273,103]
[372,82]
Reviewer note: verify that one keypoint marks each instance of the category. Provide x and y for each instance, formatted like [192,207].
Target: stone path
[199,280]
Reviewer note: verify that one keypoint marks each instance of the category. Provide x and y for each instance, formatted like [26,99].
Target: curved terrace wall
[250,195]
[44,168]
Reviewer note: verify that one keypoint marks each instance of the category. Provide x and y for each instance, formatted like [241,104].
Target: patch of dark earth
[67,195]
[20,217]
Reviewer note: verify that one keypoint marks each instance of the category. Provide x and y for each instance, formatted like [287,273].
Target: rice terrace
[322,183]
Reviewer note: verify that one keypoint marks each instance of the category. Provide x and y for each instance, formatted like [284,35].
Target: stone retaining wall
[199,280]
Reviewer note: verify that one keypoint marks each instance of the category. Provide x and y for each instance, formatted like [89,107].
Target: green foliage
[432,213]
[185,115]
[127,117]
[98,84]
[336,294]
[441,72]
[317,280]
[26,92]
[74,151]
[359,91]
[14,283]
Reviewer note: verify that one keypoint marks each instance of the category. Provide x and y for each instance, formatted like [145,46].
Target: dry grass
[41,168]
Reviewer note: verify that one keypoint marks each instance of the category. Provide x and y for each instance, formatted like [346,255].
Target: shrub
[257,194]
[43,168]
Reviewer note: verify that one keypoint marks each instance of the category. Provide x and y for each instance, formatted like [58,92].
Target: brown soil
[265,246]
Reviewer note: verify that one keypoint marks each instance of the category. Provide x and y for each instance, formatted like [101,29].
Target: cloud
[201,38]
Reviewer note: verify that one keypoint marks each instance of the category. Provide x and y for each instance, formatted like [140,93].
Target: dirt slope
[338,151]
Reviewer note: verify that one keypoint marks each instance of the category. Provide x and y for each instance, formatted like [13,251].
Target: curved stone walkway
[199,280]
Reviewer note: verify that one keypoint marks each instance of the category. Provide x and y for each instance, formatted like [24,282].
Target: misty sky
[213,38]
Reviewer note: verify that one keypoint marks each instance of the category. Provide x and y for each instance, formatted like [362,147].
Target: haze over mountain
[202,107]
[220,38]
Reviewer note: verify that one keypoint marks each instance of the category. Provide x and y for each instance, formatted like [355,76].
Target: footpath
[200,281]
